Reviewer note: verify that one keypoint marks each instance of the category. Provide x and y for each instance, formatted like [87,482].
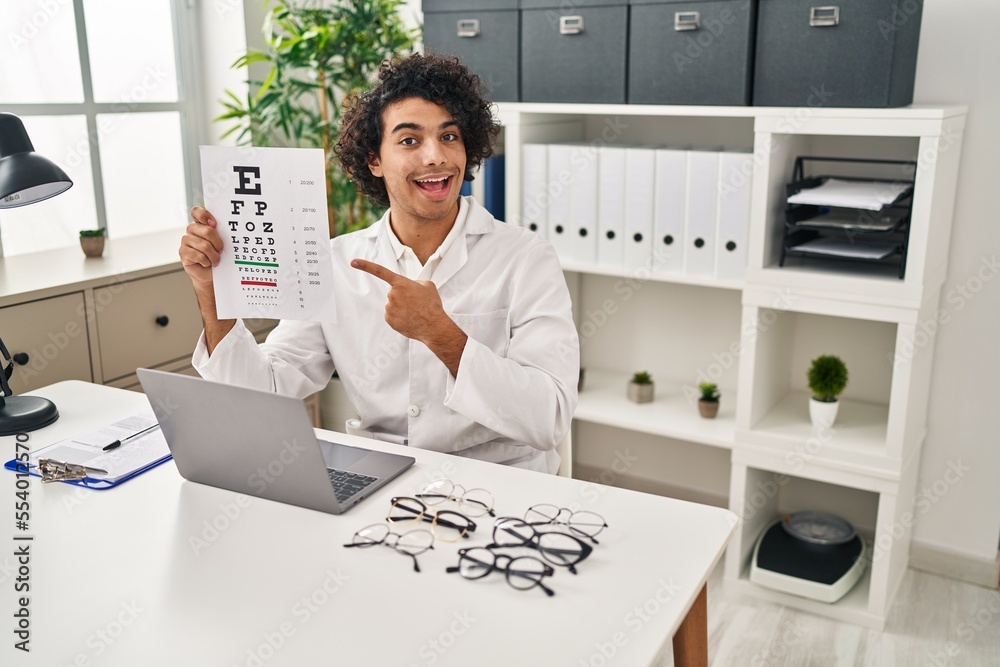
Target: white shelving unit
[755,337]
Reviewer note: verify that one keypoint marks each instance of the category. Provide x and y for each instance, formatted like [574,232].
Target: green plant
[319,57]
[92,232]
[827,378]
[709,392]
[642,377]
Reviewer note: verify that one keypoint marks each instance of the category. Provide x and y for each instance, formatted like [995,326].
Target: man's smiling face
[421,160]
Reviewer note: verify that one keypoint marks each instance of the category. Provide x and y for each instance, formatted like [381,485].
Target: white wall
[959,55]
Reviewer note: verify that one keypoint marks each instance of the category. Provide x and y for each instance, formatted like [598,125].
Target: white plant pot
[823,415]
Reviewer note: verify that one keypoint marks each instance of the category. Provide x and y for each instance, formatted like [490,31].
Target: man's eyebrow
[414,126]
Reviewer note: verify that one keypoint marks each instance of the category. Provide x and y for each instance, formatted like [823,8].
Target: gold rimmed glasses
[472,502]
[405,509]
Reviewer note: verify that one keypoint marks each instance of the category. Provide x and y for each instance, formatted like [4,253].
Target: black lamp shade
[25,176]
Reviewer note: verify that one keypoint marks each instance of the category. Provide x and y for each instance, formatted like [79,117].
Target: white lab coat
[515,393]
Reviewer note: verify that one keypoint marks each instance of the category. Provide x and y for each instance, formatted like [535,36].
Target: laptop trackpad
[341,457]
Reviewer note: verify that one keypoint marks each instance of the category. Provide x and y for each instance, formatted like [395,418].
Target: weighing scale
[810,554]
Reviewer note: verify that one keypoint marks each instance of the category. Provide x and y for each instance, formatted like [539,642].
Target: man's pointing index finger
[378,271]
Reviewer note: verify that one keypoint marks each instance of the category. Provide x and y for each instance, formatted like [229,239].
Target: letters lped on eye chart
[270,206]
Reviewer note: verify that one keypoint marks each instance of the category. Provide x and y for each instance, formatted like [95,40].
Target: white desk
[162,571]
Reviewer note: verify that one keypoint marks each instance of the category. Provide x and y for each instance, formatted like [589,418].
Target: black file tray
[836,233]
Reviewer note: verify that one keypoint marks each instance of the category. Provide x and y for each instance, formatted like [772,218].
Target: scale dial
[818,527]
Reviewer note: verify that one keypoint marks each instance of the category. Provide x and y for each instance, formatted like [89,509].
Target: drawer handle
[468,27]
[687,20]
[570,25]
[163,320]
[21,358]
[824,17]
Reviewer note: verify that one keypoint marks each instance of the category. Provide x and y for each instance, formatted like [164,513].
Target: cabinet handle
[468,27]
[21,358]
[687,20]
[824,17]
[163,320]
[570,25]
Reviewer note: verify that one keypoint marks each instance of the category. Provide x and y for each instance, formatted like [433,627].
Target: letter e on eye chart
[270,206]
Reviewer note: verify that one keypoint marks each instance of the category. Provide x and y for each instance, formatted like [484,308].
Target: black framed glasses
[472,502]
[521,572]
[557,548]
[583,523]
[411,543]
[405,509]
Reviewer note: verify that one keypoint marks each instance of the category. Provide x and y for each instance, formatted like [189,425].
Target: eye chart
[270,205]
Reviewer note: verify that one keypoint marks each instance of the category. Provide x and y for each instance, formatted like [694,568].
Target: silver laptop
[261,444]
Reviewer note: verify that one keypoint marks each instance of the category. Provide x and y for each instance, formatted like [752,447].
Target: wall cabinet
[755,337]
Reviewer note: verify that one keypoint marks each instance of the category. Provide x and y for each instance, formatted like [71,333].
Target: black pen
[118,443]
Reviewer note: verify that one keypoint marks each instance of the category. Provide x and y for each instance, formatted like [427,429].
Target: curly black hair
[437,79]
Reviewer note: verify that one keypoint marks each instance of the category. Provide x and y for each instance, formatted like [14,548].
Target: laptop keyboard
[346,484]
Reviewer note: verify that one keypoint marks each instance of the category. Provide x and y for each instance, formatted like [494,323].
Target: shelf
[679,278]
[852,608]
[865,283]
[858,442]
[670,414]
[913,112]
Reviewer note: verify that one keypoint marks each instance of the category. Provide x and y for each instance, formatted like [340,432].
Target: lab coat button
[413,411]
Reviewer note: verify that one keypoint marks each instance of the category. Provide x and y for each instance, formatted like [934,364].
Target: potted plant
[316,58]
[640,387]
[827,378]
[708,402]
[92,242]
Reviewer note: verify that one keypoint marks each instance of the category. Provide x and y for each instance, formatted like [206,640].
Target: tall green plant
[318,56]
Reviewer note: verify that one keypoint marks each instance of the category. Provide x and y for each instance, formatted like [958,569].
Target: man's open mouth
[439,184]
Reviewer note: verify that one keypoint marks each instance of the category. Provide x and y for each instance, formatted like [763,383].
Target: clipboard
[138,446]
[89,482]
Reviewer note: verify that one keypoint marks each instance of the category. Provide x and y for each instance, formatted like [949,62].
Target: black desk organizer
[888,228]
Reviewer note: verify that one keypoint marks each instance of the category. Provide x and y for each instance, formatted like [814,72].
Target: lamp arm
[5,373]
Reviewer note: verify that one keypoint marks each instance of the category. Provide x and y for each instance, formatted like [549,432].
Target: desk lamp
[25,178]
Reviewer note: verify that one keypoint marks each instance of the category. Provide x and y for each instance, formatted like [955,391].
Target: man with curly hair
[454,331]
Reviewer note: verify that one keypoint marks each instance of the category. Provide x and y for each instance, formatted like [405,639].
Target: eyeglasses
[584,523]
[405,509]
[473,502]
[557,548]
[411,543]
[522,572]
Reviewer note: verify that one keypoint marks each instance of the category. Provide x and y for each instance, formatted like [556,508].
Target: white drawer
[49,341]
[147,322]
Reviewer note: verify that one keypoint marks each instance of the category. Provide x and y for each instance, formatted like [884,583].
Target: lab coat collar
[479,222]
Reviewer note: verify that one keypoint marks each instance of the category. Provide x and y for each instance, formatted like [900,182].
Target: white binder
[583,204]
[670,198]
[534,177]
[702,213]
[735,179]
[640,164]
[611,207]
[559,182]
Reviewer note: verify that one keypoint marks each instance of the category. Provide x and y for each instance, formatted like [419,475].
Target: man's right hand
[199,252]
[200,248]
